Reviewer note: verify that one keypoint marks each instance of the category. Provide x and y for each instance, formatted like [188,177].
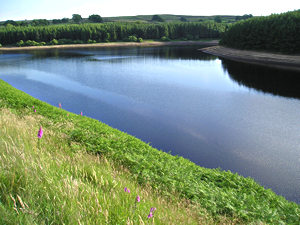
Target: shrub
[31,43]
[78,42]
[164,38]
[132,38]
[64,41]
[91,41]
[20,43]
[140,40]
[42,43]
[0,45]
[54,42]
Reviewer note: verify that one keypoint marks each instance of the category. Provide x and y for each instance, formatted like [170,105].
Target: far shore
[114,44]
[281,61]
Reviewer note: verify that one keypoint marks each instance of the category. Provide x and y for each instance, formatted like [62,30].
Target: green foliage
[219,192]
[164,38]
[20,43]
[55,181]
[0,45]
[92,41]
[53,42]
[10,22]
[244,17]
[140,40]
[56,21]
[31,43]
[157,18]
[65,20]
[103,32]
[39,22]
[76,18]
[132,38]
[218,19]
[95,18]
[278,32]
[183,19]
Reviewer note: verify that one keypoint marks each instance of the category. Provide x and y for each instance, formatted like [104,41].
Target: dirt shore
[289,62]
[113,44]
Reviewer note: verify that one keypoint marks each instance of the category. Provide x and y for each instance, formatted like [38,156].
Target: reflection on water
[179,100]
[274,81]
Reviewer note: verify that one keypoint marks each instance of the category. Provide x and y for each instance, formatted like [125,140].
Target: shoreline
[274,60]
[113,44]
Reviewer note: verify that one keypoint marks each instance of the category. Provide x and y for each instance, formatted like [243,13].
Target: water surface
[215,112]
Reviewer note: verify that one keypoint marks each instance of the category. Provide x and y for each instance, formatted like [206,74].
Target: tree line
[117,31]
[278,32]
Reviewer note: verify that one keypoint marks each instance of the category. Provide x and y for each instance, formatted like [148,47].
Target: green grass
[215,195]
[52,183]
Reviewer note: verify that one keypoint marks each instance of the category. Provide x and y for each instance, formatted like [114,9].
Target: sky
[57,9]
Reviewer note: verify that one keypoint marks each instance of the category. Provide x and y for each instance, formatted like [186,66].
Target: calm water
[215,112]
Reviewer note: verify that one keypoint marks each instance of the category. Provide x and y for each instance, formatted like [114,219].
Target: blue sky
[56,9]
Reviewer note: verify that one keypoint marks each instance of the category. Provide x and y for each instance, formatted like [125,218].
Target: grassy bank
[60,163]
[49,182]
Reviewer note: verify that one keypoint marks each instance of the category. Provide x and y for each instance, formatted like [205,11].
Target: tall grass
[49,183]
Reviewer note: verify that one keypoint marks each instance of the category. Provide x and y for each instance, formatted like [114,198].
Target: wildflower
[59,105]
[35,110]
[151,213]
[40,132]
[81,113]
[138,199]
[126,190]
[152,209]
[33,106]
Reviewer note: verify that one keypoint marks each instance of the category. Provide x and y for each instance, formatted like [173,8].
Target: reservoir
[215,112]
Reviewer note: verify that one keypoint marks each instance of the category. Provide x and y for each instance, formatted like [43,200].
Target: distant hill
[138,18]
[170,18]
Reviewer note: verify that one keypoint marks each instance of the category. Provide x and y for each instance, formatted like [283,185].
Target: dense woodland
[279,32]
[105,32]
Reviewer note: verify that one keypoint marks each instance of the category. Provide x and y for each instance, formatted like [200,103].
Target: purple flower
[33,106]
[150,215]
[35,110]
[40,132]
[138,199]
[152,210]
[81,113]
[59,105]
[127,190]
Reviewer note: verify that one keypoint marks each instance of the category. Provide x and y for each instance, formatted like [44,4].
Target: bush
[132,38]
[140,40]
[20,43]
[31,43]
[64,41]
[78,42]
[42,43]
[164,38]
[0,45]
[91,41]
[54,42]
